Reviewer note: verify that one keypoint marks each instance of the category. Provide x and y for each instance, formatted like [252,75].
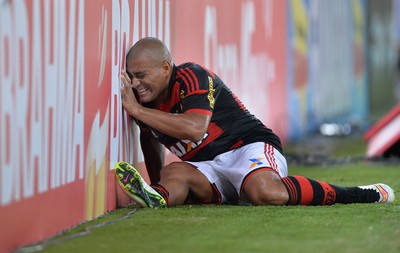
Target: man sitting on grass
[228,155]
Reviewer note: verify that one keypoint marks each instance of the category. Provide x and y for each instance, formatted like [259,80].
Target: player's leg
[269,185]
[180,180]
[266,188]
[306,191]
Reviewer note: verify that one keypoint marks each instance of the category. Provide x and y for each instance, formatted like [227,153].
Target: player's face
[149,78]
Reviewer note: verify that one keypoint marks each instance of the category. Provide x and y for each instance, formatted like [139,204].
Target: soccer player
[228,155]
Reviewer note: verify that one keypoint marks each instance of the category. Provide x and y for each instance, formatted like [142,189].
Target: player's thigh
[199,187]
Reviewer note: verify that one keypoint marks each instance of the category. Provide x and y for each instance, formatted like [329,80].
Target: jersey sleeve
[197,90]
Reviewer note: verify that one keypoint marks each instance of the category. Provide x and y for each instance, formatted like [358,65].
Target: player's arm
[153,153]
[189,126]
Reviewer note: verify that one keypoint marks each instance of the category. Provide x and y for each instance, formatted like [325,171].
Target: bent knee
[177,169]
[267,197]
[265,188]
[172,168]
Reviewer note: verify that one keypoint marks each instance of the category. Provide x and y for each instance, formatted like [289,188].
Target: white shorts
[229,170]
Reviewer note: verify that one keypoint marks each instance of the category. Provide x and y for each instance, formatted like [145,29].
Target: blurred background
[301,63]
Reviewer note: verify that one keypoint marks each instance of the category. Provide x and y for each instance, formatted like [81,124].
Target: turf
[337,228]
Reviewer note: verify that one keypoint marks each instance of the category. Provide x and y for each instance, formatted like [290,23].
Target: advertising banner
[62,125]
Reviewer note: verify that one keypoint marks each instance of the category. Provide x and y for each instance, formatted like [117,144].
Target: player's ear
[167,66]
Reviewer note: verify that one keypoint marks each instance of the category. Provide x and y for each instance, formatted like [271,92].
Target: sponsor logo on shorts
[255,161]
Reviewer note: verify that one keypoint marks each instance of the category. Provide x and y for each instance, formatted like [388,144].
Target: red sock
[305,191]
[162,191]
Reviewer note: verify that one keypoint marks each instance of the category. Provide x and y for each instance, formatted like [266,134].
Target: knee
[265,188]
[268,197]
[170,169]
[174,170]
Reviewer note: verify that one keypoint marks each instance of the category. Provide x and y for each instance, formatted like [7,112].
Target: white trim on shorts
[229,170]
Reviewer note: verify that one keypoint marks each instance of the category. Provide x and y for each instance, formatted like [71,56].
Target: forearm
[153,153]
[191,126]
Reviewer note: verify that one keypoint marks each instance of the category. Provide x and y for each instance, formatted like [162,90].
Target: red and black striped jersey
[193,88]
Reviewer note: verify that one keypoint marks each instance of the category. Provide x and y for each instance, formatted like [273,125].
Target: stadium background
[295,64]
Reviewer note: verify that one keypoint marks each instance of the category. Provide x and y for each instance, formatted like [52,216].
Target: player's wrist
[135,111]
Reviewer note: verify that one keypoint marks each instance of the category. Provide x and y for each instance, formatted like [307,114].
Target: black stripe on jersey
[212,74]
[183,77]
[189,77]
[196,80]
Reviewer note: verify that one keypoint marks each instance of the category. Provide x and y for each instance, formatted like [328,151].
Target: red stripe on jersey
[173,100]
[237,144]
[202,111]
[214,131]
[184,79]
[196,80]
[190,78]
[239,103]
[198,92]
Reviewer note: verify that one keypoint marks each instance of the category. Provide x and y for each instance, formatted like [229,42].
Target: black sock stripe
[290,189]
[319,193]
[294,190]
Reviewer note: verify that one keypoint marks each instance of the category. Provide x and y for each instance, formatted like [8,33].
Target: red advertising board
[42,119]
[62,127]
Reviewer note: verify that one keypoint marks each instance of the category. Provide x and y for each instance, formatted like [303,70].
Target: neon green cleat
[134,185]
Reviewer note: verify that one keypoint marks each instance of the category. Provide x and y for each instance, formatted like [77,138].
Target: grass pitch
[337,228]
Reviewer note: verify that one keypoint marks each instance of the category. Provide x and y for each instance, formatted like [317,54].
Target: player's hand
[129,101]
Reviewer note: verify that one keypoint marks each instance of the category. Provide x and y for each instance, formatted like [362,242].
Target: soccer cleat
[134,185]
[386,194]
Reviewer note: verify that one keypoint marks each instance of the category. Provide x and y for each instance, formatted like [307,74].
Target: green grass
[337,228]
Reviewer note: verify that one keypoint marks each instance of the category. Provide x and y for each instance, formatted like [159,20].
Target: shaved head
[151,48]
[149,66]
